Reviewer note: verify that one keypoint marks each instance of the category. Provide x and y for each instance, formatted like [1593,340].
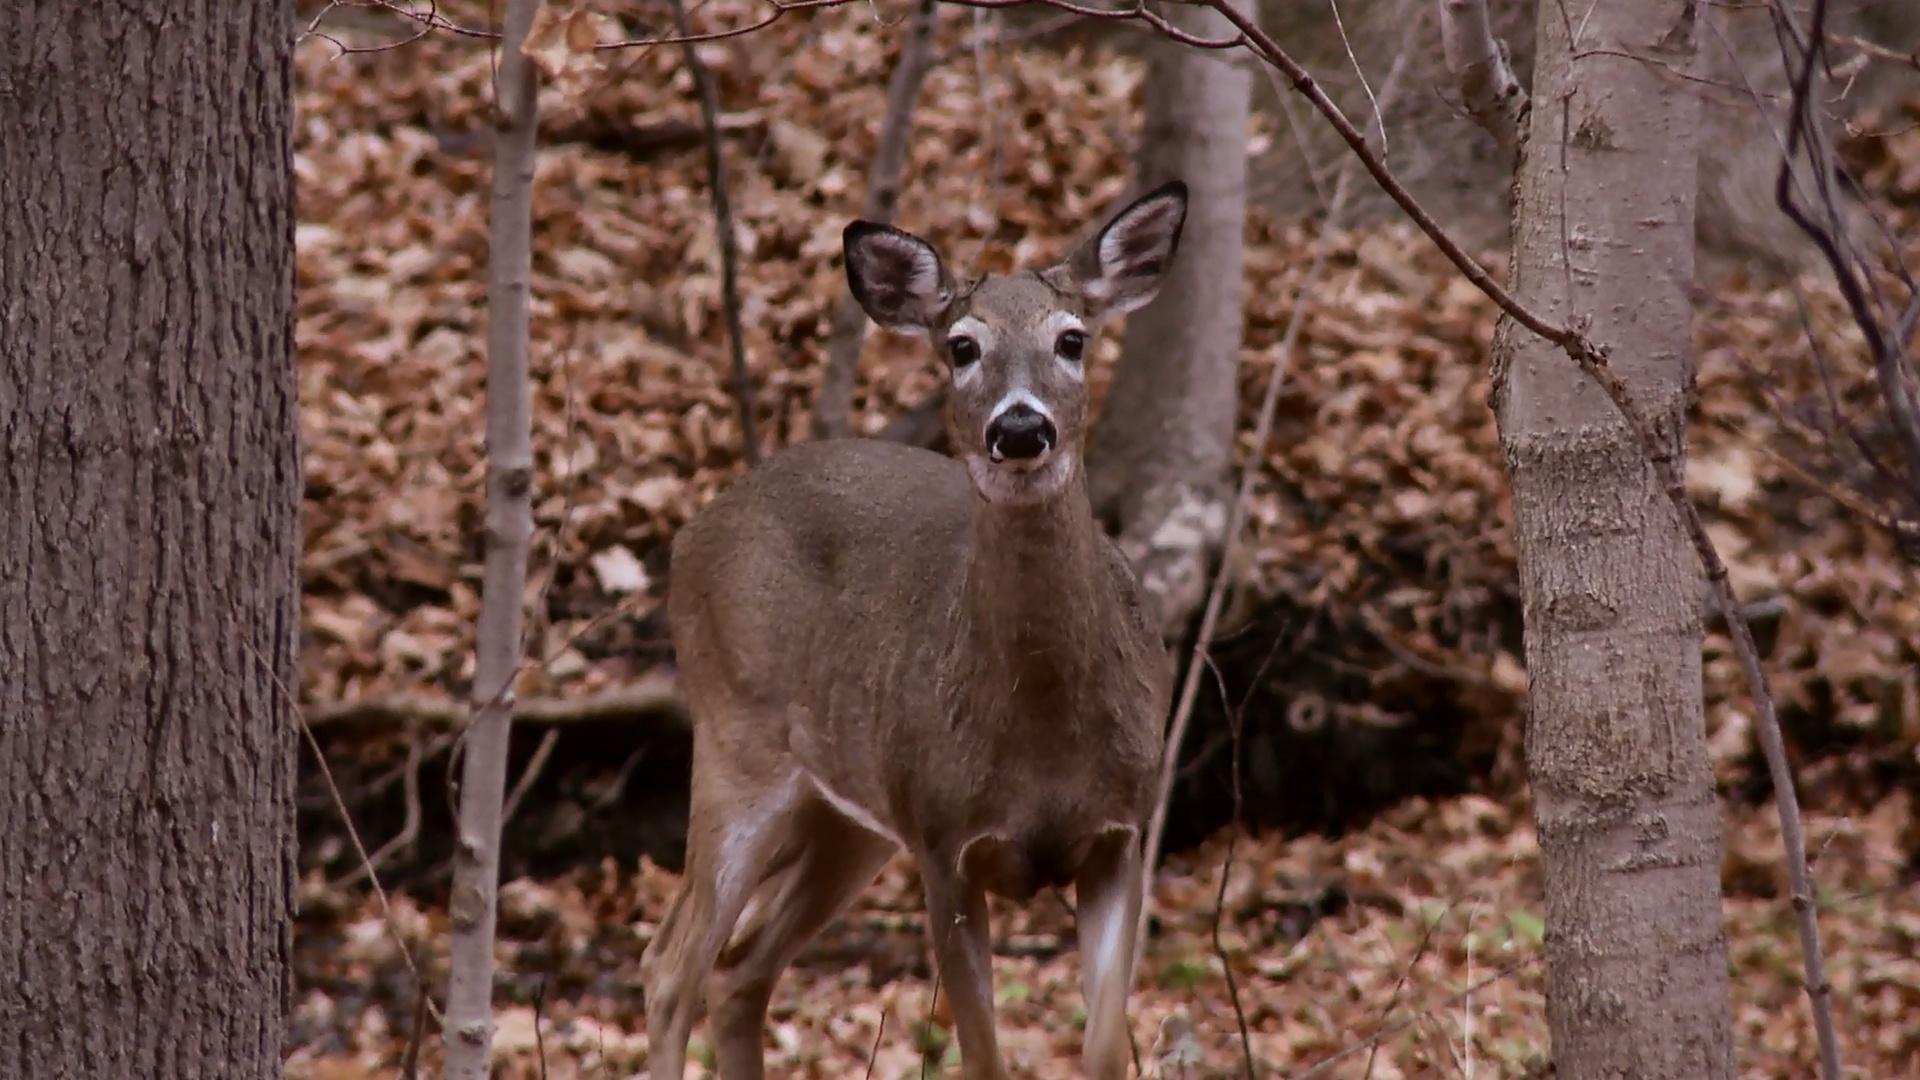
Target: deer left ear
[1122,266]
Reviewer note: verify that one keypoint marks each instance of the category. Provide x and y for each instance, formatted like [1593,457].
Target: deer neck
[1038,593]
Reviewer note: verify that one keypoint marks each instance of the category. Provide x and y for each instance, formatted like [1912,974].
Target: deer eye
[1071,345]
[963,349]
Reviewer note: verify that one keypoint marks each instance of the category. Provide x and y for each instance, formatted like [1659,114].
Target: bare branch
[1237,515]
[849,329]
[1488,88]
[1772,745]
[410,824]
[1877,51]
[723,236]
[292,701]
[1572,340]
[530,774]
[1886,343]
[1325,1065]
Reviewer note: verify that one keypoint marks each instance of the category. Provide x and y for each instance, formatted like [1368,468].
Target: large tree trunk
[1622,788]
[149,487]
[1159,459]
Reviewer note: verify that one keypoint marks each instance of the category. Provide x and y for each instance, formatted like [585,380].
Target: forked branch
[1488,88]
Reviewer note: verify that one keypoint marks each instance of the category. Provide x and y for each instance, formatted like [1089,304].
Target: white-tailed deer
[883,647]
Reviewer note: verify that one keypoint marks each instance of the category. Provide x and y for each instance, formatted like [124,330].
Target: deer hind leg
[1107,893]
[835,859]
[731,839]
[963,957]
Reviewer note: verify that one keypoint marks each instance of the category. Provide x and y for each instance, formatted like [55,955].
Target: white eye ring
[1059,325]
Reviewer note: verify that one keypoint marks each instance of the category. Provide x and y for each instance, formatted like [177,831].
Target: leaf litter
[1381,508]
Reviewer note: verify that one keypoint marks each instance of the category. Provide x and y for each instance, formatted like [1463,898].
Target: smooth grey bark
[149,500]
[1622,788]
[1159,457]
[498,648]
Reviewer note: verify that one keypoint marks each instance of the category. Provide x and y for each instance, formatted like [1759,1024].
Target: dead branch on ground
[655,698]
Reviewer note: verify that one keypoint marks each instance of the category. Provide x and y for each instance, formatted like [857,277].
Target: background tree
[1622,787]
[1159,455]
[149,486]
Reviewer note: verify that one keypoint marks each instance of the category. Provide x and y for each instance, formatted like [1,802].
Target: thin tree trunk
[1159,456]
[509,532]
[149,496]
[834,405]
[1622,788]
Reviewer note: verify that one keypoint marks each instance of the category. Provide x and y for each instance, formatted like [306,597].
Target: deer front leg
[1107,891]
[963,957]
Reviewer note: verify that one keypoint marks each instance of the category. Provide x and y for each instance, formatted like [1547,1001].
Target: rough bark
[1622,787]
[509,531]
[1159,457]
[849,328]
[149,492]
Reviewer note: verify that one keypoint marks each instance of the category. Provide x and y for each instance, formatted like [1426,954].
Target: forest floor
[1409,948]
[1403,942]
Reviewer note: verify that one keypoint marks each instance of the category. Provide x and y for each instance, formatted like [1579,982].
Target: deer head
[1016,345]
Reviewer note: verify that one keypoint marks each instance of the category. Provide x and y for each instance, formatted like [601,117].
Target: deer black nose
[1021,433]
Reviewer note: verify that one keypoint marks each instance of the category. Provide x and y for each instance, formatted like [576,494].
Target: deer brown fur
[883,648]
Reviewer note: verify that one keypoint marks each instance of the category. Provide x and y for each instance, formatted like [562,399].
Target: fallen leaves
[1380,519]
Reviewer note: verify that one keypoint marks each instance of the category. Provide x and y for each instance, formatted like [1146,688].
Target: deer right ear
[898,279]
[1122,267]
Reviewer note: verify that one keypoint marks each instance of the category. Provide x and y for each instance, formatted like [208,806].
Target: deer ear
[898,279]
[1124,264]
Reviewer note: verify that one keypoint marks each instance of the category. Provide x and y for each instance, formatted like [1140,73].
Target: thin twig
[1325,1065]
[1406,973]
[1236,723]
[409,826]
[933,1006]
[530,774]
[1849,273]
[539,1036]
[1002,38]
[724,238]
[1379,119]
[848,331]
[292,701]
[878,1034]
[1877,51]
[1772,745]
[1237,515]
[416,1034]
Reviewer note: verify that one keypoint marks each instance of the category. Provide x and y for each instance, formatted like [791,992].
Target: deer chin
[1021,483]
